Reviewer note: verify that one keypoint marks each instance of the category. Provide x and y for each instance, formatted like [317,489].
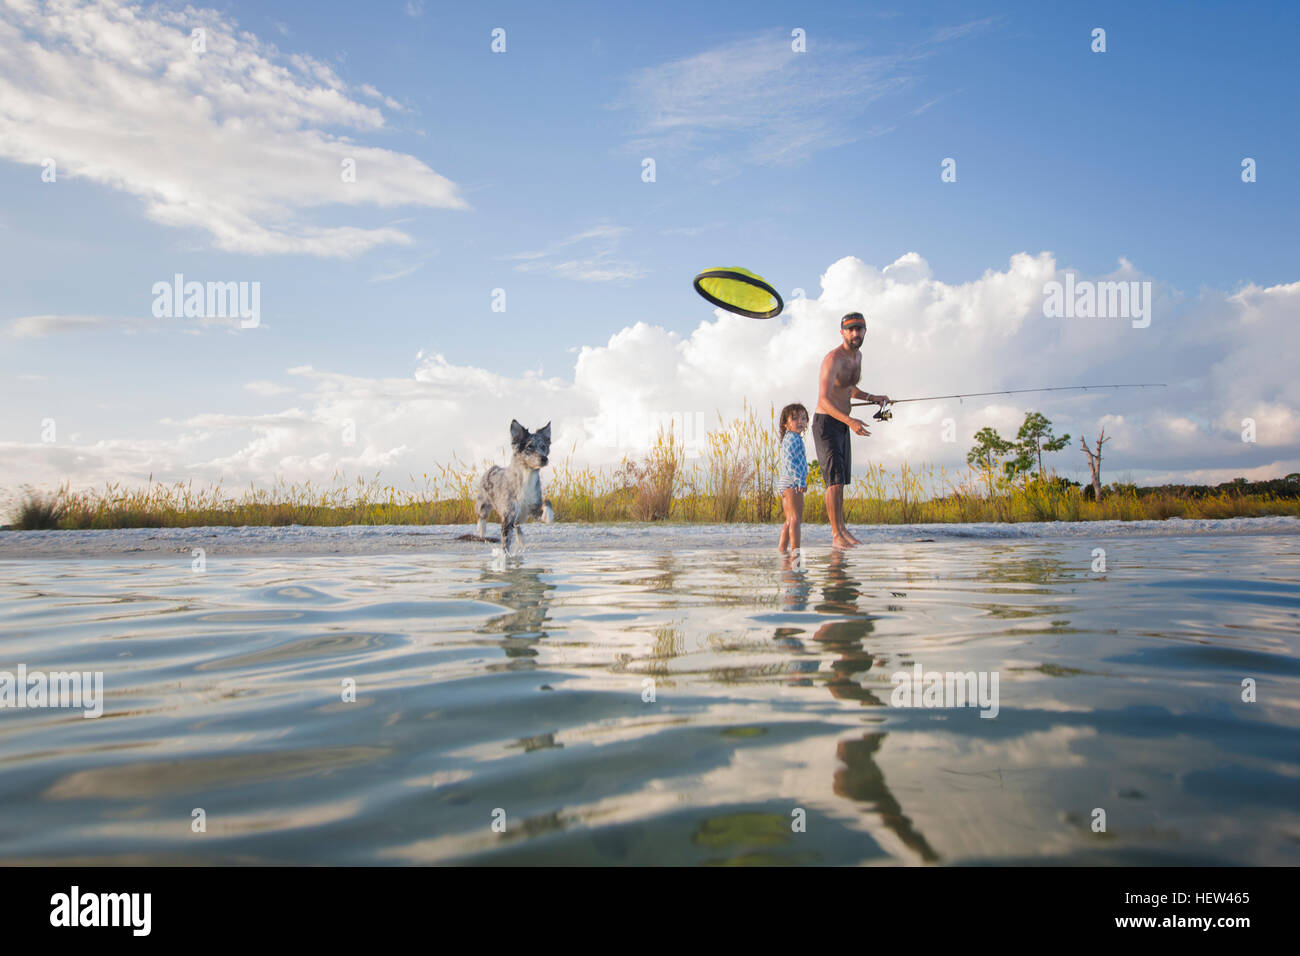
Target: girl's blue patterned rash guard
[794,462]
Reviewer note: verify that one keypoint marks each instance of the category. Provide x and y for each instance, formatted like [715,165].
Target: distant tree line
[1288,487]
[994,454]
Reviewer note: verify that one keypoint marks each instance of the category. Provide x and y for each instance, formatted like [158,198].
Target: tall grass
[733,481]
[38,512]
[730,470]
[653,480]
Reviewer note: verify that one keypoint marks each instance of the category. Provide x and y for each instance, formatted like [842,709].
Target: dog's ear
[545,431]
[518,434]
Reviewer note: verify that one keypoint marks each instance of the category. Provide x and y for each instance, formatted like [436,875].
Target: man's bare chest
[847,373]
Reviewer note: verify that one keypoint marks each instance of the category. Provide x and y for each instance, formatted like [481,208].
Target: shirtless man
[838,385]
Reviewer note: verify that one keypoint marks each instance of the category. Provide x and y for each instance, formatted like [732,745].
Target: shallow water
[515,693]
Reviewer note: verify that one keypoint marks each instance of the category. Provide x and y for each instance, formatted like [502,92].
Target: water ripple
[691,707]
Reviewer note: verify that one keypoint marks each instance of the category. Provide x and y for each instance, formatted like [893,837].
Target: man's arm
[868,397]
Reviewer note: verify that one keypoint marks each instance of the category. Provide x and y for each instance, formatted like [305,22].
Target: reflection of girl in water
[793,481]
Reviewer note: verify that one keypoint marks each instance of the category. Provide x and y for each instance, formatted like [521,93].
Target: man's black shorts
[831,438]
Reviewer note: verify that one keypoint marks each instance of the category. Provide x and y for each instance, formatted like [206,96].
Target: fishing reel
[884,414]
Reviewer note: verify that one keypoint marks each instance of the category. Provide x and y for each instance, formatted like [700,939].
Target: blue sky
[522,171]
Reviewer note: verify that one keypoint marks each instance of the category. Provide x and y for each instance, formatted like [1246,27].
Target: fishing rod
[885,414]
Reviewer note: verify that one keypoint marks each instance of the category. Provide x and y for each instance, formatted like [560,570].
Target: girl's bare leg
[795,519]
[790,530]
[785,528]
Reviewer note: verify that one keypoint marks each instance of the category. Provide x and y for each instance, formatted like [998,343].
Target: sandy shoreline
[415,539]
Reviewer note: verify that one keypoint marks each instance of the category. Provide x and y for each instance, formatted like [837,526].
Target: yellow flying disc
[739,291]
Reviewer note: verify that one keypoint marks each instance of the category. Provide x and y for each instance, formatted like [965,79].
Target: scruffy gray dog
[515,492]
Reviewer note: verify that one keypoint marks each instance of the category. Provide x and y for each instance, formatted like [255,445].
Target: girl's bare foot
[841,542]
[850,536]
[782,547]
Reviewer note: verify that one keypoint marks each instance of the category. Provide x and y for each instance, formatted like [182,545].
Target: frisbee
[739,291]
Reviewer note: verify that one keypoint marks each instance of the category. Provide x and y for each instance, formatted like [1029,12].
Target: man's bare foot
[851,537]
[841,542]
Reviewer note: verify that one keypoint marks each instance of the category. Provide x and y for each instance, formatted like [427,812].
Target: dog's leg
[483,501]
[519,536]
[547,514]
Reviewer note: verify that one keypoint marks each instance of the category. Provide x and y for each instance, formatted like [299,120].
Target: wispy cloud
[925,106]
[944,34]
[267,389]
[691,230]
[595,259]
[400,273]
[757,101]
[41,326]
[246,152]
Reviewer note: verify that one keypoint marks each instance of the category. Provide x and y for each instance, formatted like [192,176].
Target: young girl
[793,481]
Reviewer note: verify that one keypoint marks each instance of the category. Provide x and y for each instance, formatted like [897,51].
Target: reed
[729,470]
[761,445]
[654,480]
[39,512]
[733,481]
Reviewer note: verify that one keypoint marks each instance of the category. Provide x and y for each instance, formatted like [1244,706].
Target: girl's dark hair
[789,412]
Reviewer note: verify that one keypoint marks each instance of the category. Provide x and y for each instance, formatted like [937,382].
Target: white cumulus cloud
[237,140]
[1223,355]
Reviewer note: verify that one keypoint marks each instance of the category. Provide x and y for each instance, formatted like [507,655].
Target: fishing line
[884,414]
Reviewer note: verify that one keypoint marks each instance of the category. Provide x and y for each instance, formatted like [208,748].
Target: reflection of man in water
[860,779]
[840,596]
[863,781]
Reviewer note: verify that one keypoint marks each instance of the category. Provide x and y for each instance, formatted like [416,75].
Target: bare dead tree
[1094,462]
